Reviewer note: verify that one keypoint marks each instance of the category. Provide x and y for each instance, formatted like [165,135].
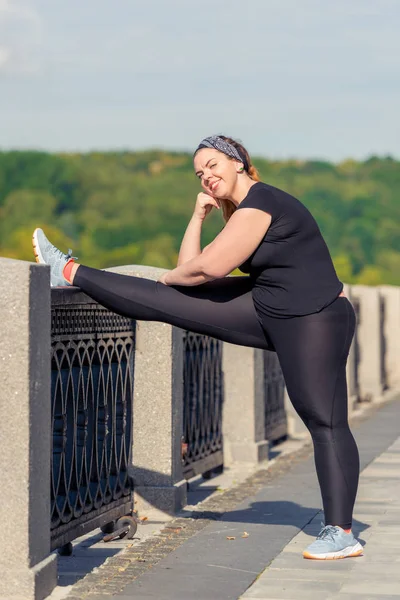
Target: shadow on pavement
[280,512]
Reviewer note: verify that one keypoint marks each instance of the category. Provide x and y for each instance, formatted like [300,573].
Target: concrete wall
[157,416]
[243,415]
[370,342]
[391,296]
[28,571]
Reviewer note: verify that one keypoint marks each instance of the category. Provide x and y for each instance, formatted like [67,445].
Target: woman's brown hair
[228,207]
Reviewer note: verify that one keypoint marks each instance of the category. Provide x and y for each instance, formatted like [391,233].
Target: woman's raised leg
[222,308]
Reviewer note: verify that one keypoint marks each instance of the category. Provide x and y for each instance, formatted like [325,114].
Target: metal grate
[76,321]
[274,398]
[92,397]
[202,411]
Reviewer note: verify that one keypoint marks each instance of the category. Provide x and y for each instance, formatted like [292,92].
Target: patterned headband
[216,142]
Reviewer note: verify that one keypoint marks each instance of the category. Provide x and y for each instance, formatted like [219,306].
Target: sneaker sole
[38,255]
[350,551]
[36,250]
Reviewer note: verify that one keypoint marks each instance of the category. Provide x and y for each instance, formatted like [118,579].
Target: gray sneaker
[47,254]
[333,542]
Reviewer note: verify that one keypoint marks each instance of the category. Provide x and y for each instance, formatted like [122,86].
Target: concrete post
[351,366]
[244,412]
[391,334]
[157,411]
[28,571]
[369,338]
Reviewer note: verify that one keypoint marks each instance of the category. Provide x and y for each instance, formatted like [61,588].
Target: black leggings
[312,351]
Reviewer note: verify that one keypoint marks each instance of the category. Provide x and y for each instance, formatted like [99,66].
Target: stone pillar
[369,339]
[157,412]
[243,413]
[352,390]
[391,334]
[28,571]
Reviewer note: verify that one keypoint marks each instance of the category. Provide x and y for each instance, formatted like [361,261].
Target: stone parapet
[391,334]
[243,414]
[369,342]
[157,411]
[28,571]
[351,367]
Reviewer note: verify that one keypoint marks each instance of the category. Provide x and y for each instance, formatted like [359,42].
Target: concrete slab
[374,575]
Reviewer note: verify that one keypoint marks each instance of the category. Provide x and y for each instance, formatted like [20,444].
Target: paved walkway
[271,515]
[375,575]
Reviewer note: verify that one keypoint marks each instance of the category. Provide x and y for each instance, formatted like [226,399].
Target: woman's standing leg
[313,351]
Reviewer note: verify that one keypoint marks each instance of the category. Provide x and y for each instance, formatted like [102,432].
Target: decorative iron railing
[202,410]
[274,398]
[92,395]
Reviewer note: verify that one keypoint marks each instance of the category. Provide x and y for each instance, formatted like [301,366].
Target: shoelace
[69,255]
[329,531]
[61,254]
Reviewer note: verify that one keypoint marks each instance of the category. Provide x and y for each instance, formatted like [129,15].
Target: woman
[292,303]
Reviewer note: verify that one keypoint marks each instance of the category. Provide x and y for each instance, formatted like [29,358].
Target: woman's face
[217,173]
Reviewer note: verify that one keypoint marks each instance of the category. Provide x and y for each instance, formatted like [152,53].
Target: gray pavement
[375,575]
[271,516]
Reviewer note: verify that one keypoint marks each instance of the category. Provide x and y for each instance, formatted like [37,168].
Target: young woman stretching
[291,303]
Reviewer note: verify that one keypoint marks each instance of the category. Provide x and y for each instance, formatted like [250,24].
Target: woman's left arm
[237,241]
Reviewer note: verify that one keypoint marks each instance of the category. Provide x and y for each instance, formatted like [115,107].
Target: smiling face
[217,172]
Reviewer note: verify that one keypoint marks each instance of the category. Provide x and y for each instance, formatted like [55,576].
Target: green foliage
[25,208]
[133,207]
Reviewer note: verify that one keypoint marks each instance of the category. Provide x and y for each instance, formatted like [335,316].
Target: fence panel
[92,397]
[202,410]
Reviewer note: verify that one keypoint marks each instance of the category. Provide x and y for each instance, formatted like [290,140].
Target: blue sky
[290,78]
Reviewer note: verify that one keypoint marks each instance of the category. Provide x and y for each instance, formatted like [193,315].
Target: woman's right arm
[191,243]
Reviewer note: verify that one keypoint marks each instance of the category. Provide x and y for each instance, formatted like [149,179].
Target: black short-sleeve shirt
[292,269]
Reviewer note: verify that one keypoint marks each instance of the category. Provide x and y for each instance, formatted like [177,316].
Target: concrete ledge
[35,583]
[370,342]
[157,411]
[253,453]
[161,499]
[243,421]
[28,571]
[391,334]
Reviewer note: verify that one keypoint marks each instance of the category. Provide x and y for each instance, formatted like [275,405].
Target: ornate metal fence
[274,391]
[92,395]
[202,411]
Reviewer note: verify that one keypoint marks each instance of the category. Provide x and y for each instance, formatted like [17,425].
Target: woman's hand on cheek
[204,204]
